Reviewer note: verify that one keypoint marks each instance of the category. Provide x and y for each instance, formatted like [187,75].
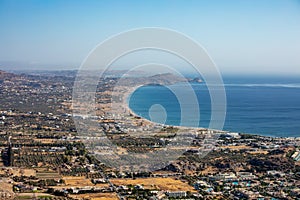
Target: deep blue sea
[266,105]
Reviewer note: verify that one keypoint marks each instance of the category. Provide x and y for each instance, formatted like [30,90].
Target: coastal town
[43,155]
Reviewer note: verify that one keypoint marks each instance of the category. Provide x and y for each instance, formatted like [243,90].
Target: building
[176,194]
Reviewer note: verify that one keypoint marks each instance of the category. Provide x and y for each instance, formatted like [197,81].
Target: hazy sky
[254,36]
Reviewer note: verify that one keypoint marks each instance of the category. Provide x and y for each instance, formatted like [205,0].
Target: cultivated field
[258,152]
[33,195]
[22,172]
[167,184]
[48,175]
[96,196]
[80,181]
[236,148]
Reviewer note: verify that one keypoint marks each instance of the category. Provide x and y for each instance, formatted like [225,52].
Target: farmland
[96,196]
[73,181]
[166,184]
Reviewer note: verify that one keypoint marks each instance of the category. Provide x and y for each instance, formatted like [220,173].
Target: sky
[247,37]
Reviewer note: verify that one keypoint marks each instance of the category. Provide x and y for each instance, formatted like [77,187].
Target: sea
[268,106]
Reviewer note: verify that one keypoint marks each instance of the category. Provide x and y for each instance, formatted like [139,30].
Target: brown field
[44,141]
[77,181]
[5,186]
[32,195]
[20,172]
[3,171]
[96,196]
[209,170]
[74,181]
[258,152]
[99,185]
[167,184]
[235,147]
[48,175]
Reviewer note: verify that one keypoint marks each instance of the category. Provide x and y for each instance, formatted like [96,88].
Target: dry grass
[3,172]
[80,181]
[25,172]
[236,147]
[167,184]
[258,152]
[6,190]
[5,186]
[17,171]
[209,170]
[96,196]
[34,194]
[48,175]
[45,141]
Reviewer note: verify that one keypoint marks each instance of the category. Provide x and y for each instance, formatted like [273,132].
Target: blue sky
[255,36]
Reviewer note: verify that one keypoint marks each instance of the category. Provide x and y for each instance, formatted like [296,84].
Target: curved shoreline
[128,94]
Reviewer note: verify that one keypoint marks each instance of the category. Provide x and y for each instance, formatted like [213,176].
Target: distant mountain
[158,79]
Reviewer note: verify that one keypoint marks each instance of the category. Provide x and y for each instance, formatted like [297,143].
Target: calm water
[266,106]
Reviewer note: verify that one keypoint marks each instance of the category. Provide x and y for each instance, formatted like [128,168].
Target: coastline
[127,96]
[129,93]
